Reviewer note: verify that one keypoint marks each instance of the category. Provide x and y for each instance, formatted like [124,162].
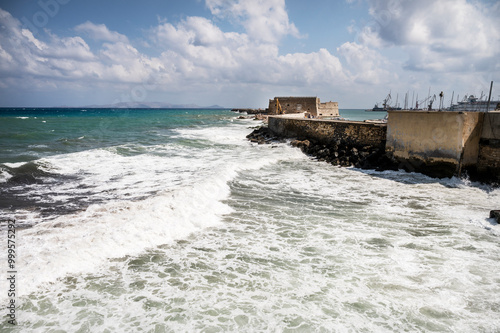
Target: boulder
[495,214]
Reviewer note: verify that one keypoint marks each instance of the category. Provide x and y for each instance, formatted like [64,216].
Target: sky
[241,53]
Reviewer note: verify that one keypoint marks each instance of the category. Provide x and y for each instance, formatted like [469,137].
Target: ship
[385,105]
[472,103]
[378,108]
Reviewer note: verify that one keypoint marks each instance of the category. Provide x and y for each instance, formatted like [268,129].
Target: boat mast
[480,102]
[489,98]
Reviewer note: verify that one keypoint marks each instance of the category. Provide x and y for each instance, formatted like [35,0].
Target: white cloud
[29,36]
[438,36]
[24,58]
[24,55]
[264,20]
[101,32]
[199,51]
[367,65]
[195,54]
[69,48]
[312,68]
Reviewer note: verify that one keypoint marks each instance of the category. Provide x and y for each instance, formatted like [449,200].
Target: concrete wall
[488,164]
[329,131]
[433,142]
[491,126]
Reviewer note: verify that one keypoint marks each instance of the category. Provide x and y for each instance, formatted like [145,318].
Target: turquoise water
[29,134]
[171,221]
[360,115]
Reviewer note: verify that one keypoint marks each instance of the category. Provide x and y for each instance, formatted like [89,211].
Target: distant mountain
[153,105]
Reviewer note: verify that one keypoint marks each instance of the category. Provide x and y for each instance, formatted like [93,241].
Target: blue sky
[240,53]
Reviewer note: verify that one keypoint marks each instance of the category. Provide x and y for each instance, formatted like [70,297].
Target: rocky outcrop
[339,153]
[262,135]
[347,155]
[251,111]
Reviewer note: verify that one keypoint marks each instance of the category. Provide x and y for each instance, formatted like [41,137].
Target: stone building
[311,105]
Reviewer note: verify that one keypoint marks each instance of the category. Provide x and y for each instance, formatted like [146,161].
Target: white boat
[472,103]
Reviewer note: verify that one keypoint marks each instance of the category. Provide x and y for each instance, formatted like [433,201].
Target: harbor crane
[433,98]
[427,101]
[386,101]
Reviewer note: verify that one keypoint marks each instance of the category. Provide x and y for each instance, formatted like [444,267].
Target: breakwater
[438,144]
[340,143]
[329,132]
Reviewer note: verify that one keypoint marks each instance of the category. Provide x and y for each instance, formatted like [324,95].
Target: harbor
[469,103]
[438,143]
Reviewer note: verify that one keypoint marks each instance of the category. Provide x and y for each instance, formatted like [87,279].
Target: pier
[436,143]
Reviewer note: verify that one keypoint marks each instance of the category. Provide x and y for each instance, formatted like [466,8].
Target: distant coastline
[124,105]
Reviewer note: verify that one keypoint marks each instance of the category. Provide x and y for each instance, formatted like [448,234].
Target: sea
[172,221]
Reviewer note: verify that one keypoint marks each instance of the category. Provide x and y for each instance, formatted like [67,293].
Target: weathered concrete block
[436,143]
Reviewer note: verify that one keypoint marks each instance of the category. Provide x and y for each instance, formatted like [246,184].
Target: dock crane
[387,99]
[427,101]
[433,98]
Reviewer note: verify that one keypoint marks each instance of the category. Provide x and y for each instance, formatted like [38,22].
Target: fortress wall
[329,131]
[295,104]
[328,109]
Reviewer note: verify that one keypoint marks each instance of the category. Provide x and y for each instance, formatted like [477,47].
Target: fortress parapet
[310,105]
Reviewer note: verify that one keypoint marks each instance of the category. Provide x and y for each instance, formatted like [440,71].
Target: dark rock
[261,135]
[251,111]
[324,152]
[339,152]
[26,179]
[495,214]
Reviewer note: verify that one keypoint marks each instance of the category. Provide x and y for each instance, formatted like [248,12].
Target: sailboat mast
[489,98]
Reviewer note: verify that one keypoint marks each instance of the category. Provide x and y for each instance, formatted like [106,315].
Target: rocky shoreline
[339,153]
[251,111]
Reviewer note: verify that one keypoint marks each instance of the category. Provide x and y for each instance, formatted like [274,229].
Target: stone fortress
[437,143]
[305,106]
